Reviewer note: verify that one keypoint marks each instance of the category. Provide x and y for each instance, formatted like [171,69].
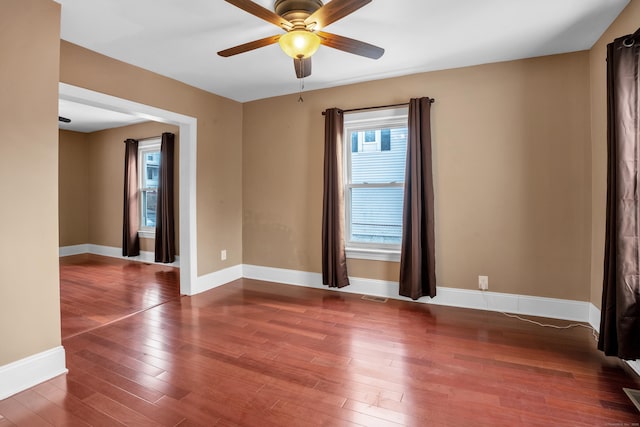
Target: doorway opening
[187,167]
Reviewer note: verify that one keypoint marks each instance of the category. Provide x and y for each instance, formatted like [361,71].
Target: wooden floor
[97,290]
[260,354]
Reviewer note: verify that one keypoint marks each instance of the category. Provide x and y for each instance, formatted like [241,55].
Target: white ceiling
[87,118]
[180,39]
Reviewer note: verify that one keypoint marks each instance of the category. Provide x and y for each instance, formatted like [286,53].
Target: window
[374,182]
[149,167]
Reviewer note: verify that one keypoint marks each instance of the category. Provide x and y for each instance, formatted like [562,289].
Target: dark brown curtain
[165,233]
[620,315]
[334,259]
[131,210]
[417,257]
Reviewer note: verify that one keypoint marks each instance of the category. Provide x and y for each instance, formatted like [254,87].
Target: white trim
[362,121]
[150,144]
[482,300]
[594,317]
[281,275]
[218,278]
[373,254]
[110,251]
[147,234]
[187,167]
[73,250]
[634,365]
[30,371]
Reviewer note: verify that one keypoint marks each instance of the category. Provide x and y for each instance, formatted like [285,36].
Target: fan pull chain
[300,99]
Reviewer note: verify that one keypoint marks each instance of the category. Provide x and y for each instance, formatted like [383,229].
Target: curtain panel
[165,244]
[620,311]
[131,204]
[334,258]
[417,256]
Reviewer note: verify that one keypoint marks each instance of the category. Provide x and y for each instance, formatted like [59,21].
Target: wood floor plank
[15,412]
[133,402]
[118,411]
[52,414]
[255,353]
[73,405]
[87,283]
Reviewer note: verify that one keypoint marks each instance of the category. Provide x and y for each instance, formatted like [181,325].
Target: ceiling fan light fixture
[299,44]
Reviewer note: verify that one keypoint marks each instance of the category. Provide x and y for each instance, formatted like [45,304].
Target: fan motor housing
[296,10]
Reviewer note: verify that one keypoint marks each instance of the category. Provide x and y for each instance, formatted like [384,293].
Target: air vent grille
[374,298]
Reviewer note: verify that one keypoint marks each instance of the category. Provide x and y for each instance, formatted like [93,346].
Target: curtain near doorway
[165,249]
[131,211]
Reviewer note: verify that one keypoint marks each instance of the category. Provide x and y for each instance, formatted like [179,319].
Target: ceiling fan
[303,21]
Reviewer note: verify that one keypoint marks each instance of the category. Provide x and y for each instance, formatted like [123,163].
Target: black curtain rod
[431,101]
[144,139]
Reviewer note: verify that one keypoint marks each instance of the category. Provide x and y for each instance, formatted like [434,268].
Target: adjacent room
[306,212]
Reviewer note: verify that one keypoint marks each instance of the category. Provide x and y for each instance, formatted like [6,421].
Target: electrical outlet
[223,255]
[483,283]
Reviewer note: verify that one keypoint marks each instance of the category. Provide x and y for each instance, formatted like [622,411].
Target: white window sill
[374,254]
[147,234]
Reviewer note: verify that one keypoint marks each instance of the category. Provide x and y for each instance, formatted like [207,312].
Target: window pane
[149,207]
[151,169]
[376,215]
[385,137]
[381,166]
[370,136]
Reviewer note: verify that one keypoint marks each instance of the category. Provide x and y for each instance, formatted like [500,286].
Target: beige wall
[29,284]
[626,23]
[106,177]
[73,188]
[219,145]
[511,165]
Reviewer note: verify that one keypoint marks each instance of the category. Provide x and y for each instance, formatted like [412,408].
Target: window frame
[152,145]
[362,121]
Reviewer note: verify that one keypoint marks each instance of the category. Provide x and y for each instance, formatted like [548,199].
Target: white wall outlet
[223,255]
[483,283]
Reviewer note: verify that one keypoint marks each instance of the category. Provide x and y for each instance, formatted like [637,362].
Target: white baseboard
[30,371]
[217,278]
[110,251]
[594,317]
[634,365]
[482,300]
[73,250]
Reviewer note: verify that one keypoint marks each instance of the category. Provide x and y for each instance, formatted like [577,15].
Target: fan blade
[332,11]
[249,46]
[262,13]
[302,66]
[350,45]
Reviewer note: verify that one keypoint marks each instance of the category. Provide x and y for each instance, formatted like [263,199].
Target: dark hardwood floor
[251,353]
[97,290]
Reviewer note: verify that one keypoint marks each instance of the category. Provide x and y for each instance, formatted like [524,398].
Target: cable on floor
[546,325]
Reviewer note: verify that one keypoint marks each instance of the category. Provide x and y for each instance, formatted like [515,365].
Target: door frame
[187,167]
